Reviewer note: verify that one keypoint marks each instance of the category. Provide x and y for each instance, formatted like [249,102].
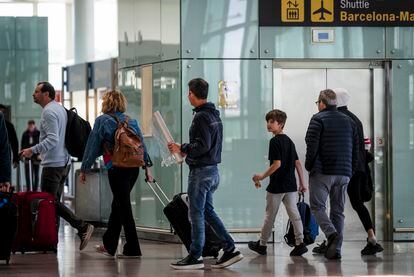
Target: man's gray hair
[328,97]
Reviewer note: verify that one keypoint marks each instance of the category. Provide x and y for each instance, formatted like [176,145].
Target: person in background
[203,153]
[282,186]
[360,177]
[55,156]
[11,132]
[5,167]
[30,138]
[121,180]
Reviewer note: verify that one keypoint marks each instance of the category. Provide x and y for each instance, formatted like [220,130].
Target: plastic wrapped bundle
[163,137]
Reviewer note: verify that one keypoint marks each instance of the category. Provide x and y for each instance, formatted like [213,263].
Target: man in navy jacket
[331,157]
[203,154]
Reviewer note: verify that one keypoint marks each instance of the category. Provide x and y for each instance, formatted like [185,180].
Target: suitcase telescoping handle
[164,199]
[29,160]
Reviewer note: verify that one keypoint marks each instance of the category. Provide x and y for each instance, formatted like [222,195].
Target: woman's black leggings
[122,181]
[354,193]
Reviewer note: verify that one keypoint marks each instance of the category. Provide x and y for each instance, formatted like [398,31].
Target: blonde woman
[101,142]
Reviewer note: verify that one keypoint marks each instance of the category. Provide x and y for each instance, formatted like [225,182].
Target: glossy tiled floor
[397,259]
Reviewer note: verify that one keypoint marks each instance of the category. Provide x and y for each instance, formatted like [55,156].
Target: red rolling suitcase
[37,226]
[176,212]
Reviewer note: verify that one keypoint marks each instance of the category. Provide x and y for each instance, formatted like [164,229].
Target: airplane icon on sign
[322,11]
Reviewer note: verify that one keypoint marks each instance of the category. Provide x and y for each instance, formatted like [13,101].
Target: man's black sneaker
[333,242]
[321,248]
[371,249]
[255,246]
[228,258]
[299,250]
[188,262]
[85,234]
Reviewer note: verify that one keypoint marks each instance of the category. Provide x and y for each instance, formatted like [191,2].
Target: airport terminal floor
[396,260]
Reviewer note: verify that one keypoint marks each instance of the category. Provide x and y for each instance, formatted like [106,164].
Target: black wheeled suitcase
[176,212]
[8,218]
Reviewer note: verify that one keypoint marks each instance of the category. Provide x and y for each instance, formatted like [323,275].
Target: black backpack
[77,134]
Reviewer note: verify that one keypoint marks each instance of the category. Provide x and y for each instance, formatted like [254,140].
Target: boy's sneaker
[333,242]
[255,246]
[85,234]
[188,262]
[228,258]
[371,249]
[321,248]
[299,250]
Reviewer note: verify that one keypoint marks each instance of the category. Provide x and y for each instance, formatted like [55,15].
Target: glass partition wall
[159,84]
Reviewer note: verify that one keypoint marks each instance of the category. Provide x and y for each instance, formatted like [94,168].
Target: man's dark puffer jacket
[331,144]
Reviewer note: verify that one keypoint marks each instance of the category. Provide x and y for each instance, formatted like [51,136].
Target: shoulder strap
[114,117]
[117,119]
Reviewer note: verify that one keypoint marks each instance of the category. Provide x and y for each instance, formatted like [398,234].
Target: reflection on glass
[219,29]
[402,144]
[229,95]
[245,139]
[411,91]
[78,102]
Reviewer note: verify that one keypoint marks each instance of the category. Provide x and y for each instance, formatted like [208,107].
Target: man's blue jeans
[202,182]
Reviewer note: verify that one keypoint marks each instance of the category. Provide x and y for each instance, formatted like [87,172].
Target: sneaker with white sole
[85,234]
[188,262]
[102,250]
[228,258]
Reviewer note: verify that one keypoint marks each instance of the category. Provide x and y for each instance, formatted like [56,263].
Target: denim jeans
[202,182]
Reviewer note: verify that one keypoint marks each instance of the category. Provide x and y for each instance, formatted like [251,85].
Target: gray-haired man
[331,152]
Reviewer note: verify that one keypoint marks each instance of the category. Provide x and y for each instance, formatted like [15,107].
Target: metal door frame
[382,203]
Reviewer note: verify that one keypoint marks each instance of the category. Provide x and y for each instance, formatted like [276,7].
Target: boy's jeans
[202,182]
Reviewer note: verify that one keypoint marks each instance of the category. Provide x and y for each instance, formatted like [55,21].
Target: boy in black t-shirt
[282,186]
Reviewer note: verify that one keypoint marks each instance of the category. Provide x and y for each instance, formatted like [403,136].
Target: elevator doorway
[296,88]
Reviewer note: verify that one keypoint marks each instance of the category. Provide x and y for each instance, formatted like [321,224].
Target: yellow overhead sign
[364,13]
[293,10]
[322,10]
